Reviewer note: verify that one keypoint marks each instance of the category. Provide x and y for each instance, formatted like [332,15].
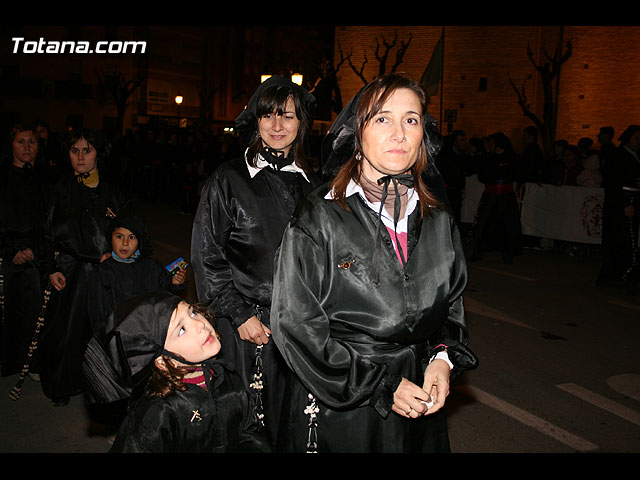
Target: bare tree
[383,56]
[549,73]
[120,89]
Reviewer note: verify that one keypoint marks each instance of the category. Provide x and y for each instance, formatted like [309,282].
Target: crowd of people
[505,173]
[329,280]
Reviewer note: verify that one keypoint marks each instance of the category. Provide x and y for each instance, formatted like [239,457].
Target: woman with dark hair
[244,208]
[367,307]
[75,215]
[21,183]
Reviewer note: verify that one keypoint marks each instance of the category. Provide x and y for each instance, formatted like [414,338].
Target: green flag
[433,73]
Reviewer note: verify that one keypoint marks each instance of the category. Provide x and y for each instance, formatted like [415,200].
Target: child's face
[190,335]
[124,242]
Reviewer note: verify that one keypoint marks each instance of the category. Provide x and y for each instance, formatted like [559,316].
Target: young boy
[131,270]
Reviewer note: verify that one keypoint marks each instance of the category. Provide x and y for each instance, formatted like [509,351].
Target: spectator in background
[554,160]
[584,147]
[621,213]
[567,168]
[607,147]
[453,164]
[590,176]
[498,214]
[532,159]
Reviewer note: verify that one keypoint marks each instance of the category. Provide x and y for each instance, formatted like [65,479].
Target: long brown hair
[371,102]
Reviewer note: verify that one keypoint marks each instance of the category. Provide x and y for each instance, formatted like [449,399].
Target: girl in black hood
[165,357]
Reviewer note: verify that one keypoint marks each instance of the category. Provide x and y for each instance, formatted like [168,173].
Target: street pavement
[559,361]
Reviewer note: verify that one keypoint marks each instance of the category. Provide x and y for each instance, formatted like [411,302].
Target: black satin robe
[113,281]
[19,192]
[350,342]
[224,423]
[73,222]
[236,231]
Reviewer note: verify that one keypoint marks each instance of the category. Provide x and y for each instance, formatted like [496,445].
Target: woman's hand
[58,281]
[105,256]
[436,383]
[254,331]
[23,256]
[409,400]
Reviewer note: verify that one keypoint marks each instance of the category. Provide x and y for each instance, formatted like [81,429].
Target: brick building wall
[598,84]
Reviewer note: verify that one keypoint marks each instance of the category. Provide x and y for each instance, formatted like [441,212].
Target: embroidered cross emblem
[196,416]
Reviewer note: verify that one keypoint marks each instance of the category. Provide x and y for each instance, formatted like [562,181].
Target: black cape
[349,342]
[193,421]
[73,222]
[236,231]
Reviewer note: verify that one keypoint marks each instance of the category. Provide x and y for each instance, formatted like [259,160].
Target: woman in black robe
[367,307]
[21,181]
[75,215]
[244,208]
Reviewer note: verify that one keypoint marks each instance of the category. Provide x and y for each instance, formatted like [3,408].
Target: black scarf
[276,158]
[406,180]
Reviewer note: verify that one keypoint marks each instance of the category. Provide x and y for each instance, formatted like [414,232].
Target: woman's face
[190,335]
[25,148]
[279,131]
[124,242]
[83,156]
[391,140]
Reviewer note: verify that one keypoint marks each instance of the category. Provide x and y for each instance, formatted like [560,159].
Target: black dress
[73,223]
[348,341]
[193,421]
[236,231]
[498,218]
[19,192]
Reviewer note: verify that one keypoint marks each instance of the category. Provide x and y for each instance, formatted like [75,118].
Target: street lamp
[264,77]
[178,100]
[296,78]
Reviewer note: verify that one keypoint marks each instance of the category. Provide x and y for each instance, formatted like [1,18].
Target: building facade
[598,85]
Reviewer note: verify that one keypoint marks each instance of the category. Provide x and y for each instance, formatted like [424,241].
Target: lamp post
[178,100]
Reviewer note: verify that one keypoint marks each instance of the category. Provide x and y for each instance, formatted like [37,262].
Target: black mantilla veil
[340,143]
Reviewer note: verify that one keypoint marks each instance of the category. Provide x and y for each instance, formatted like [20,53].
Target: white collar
[412,201]
[262,163]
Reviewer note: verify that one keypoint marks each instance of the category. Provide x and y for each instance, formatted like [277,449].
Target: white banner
[566,213]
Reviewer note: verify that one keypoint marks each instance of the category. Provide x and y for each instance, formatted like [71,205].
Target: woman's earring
[358,156]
